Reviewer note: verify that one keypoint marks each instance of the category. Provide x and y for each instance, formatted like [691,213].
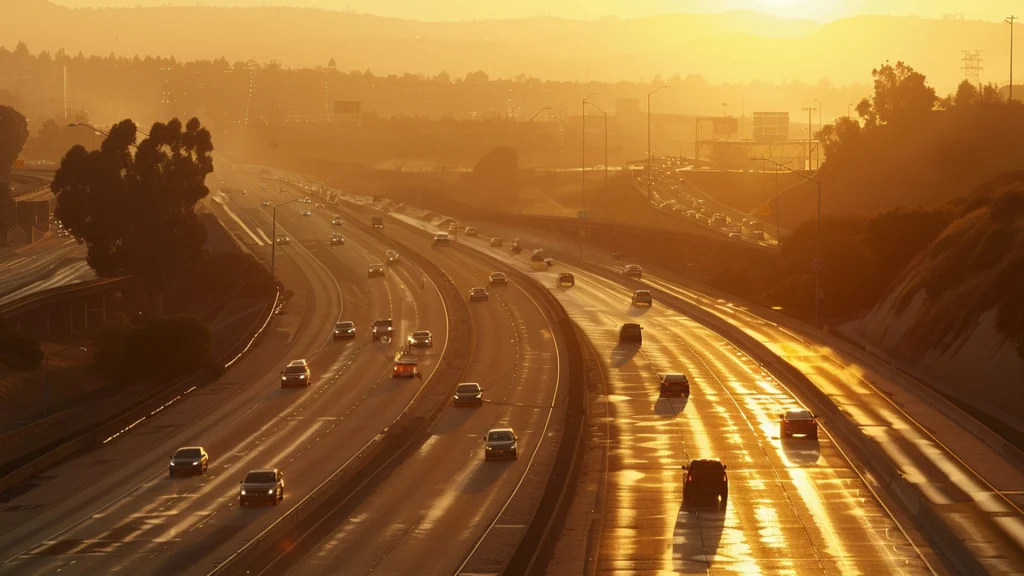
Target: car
[674,385]
[306,200]
[642,299]
[189,460]
[307,213]
[798,423]
[735,236]
[263,186]
[337,240]
[391,257]
[336,222]
[344,329]
[566,279]
[633,271]
[618,255]
[501,443]
[471,231]
[757,235]
[283,240]
[495,242]
[421,339]
[442,239]
[631,332]
[706,481]
[478,294]
[380,329]
[468,394]
[243,193]
[265,203]
[296,373]
[375,271]
[498,279]
[321,206]
[262,486]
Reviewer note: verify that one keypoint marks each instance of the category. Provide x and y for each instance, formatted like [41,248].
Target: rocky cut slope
[957,313]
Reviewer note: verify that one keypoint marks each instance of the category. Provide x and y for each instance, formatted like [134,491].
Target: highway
[49,263]
[795,507]
[426,516]
[115,509]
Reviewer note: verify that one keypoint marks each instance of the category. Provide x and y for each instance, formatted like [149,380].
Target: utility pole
[650,163]
[810,135]
[583,152]
[1010,20]
[605,140]
[817,151]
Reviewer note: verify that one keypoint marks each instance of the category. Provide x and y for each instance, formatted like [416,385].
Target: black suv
[381,328]
[675,385]
[706,482]
[631,332]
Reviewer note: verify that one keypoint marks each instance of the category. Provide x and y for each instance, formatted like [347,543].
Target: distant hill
[735,46]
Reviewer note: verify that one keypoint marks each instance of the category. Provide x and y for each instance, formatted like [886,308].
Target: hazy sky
[822,10]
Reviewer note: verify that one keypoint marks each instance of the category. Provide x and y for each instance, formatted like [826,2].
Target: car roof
[676,376]
[799,414]
[479,289]
[630,325]
[642,291]
[345,322]
[705,462]
[421,332]
[461,384]
[190,448]
[382,320]
[500,430]
[497,273]
[300,362]
[272,470]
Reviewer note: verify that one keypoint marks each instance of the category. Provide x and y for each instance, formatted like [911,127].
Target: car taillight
[689,477]
[725,478]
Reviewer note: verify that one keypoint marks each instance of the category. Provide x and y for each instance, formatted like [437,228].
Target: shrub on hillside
[159,351]
[1008,207]
[992,249]
[1009,285]
[897,236]
[19,351]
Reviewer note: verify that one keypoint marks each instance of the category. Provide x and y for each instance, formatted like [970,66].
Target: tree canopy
[13,134]
[136,211]
[900,94]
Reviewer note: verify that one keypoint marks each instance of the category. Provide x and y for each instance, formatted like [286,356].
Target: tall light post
[539,111]
[605,140]
[817,264]
[650,162]
[100,130]
[817,151]
[273,233]
[1010,20]
[46,376]
[848,106]
[583,152]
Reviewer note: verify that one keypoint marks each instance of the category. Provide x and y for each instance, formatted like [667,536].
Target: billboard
[725,126]
[771,126]
[347,106]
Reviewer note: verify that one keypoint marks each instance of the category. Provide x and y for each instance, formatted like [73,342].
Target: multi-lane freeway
[796,506]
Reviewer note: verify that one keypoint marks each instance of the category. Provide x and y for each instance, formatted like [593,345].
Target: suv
[478,294]
[632,271]
[421,339]
[498,279]
[265,485]
[495,242]
[566,279]
[468,394]
[189,460]
[501,443]
[677,385]
[380,328]
[375,271]
[442,239]
[344,329]
[798,422]
[642,299]
[296,373]
[471,231]
[706,480]
[631,332]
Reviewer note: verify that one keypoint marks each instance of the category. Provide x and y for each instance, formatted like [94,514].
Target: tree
[966,94]
[840,137]
[136,212]
[901,95]
[478,77]
[13,134]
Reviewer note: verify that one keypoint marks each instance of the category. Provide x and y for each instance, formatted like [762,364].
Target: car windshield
[705,468]
[382,323]
[798,415]
[497,274]
[478,290]
[295,370]
[260,478]
[344,325]
[643,294]
[500,436]
[188,453]
[468,388]
[675,378]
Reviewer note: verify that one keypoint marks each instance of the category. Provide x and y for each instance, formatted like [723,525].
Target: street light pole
[583,153]
[817,151]
[810,134]
[817,264]
[650,171]
[539,111]
[46,376]
[273,233]
[605,140]
[100,130]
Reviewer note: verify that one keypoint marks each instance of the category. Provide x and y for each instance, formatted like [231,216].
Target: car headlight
[195,463]
[172,463]
[303,377]
[271,491]
[284,377]
[488,448]
[243,491]
[478,396]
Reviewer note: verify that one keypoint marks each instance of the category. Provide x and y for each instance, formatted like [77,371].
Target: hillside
[956,312]
[728,47]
